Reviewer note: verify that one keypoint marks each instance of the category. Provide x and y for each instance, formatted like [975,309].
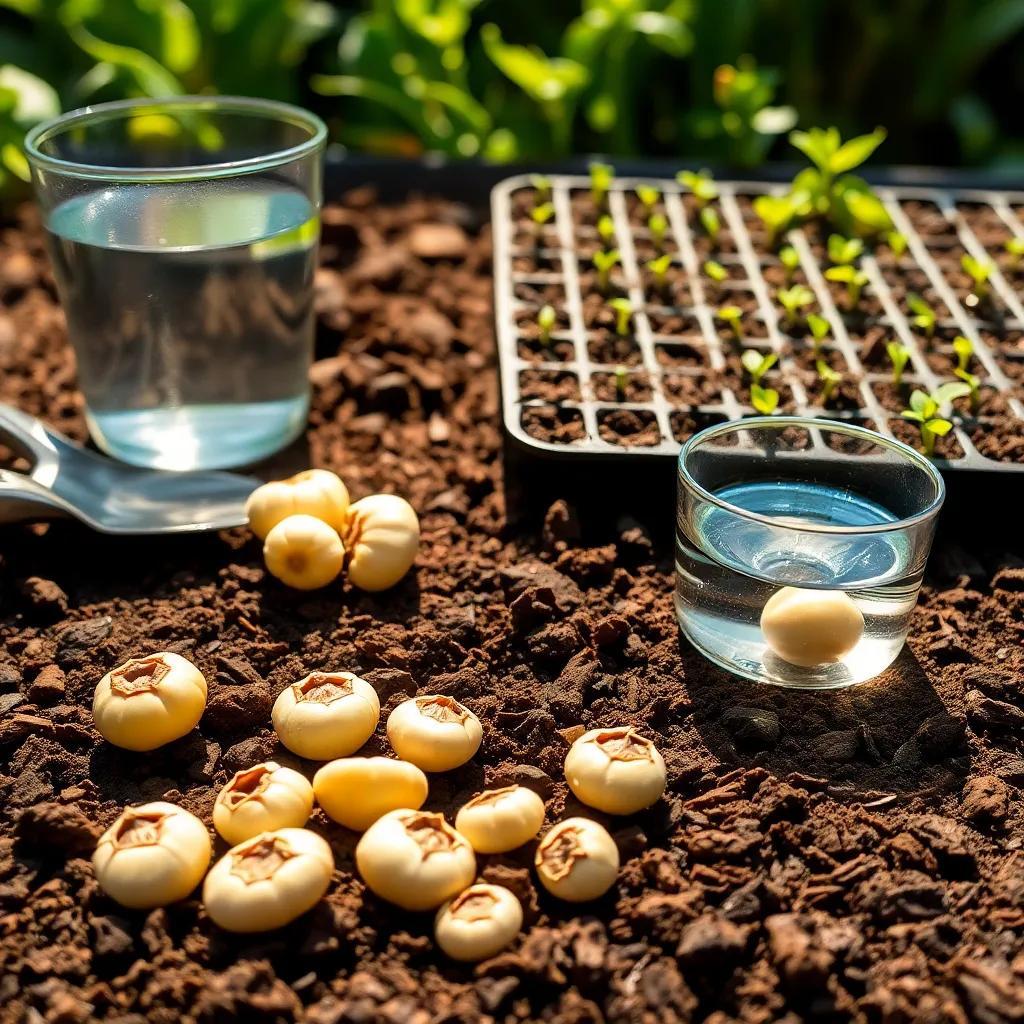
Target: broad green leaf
[819,145]
[151,78]
[669,34]
[939,427]
[542,78]
[14,160]
[180,41]
[921,403]
[853,153]
[946,393]
[34,101]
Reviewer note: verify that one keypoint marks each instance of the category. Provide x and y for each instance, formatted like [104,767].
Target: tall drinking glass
[183,235]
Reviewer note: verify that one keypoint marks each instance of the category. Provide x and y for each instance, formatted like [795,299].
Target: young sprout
[757,364]
[979,272]
[715,271]
[606,229]
[545,324]
[659,268]
[776,213]
[924,316]
[844,250]
[926,411]
[897,243]
[541,214]
[790,260]
[964,350]
[764,400]
[830,380]
[899,356]
[657,225]
[1015,250]
[621,380]
[973,381]
[819,329]
[793,300]
[623,312]
[700,183]
[732,315]
[603,263]
[541,186]
[854,280]
[648,196]
[600,181]
[710,222]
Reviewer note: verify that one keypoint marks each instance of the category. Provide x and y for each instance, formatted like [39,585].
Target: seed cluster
[310,530]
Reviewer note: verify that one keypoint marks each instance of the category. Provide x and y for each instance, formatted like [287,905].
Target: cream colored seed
[616,770]
[415,859]
[147,702]
[268,880]
[260,799]
[356,791]
[326,715]
[152,855]
[303,552]
[382,538]
[577,860]
[811,627]
[315,492]
[498,820]
[435,732]
[480,922]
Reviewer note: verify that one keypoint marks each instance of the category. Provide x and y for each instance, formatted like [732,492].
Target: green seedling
[648,196]
[854,280]
[819,329]
[541,214]
[710,222]
[964,349]
[733,316]
[757,364]
[790,260]
[600,181]
[603,264]
[606,229]
[830,380]
[927,412]
[793,300]
[897,243]
[715,271]
[545,324]
[659,270]
[899,356]
[1014,250]
[924,316]
[973,381]
[777,214]
[979,272]
[541,186]
[621,380]
[700,183]
[623,313]
[844,250]
[764,400]
[657,225]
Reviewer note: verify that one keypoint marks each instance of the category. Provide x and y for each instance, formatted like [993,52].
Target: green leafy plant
[793,300]
[715,271]
[621,382]
[604,262]
[606,229]
[790,260]
[927,412]
[541,187]
[545,324]
[764,400]
[733,317]
[963,348]
[1014,250]
[830,380]
[819,328]
[923,315]
[648,196]
[757,363]
[899,356]
[701,184]
[710,222]
[658,269]
[844,250]
[601,176]
[979,272]
[657,225]
[854,279]
[623,310]
[777,214]
[897,243]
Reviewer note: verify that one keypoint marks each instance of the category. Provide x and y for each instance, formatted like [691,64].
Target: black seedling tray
[684,373]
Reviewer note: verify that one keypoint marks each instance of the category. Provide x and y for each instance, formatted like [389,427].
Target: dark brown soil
[817,857]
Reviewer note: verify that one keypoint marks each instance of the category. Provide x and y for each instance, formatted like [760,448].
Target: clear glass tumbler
[183,235]
[800,547]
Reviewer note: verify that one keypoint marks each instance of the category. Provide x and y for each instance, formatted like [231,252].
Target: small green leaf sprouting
[927,412]
[648,196]
[621,380]
[1014,250]
[541,186]
[541,214]
[659,269]
[733,316]
[964,349]
[623,312]
[757,364]
[545,324]
[606,229]
[979,272]
[764,400]
[830,380]
[899,356]
[897,243]
[790,260]
[973,381]
[793,300]
[924,316]
[776,213]
[600,181]
[715,271]
[603,264]
[819,329]
[854,280]
[710,222]
[844,250]
[657,225]
[700,183]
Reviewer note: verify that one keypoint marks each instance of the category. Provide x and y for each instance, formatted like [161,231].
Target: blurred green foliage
[714,80]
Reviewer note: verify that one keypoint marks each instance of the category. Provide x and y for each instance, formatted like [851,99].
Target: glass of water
[183,236]
[800,547]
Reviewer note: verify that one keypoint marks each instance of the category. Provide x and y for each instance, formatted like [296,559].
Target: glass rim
[99,112]
[852,429]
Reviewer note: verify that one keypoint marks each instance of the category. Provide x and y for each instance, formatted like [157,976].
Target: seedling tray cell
[591,392]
